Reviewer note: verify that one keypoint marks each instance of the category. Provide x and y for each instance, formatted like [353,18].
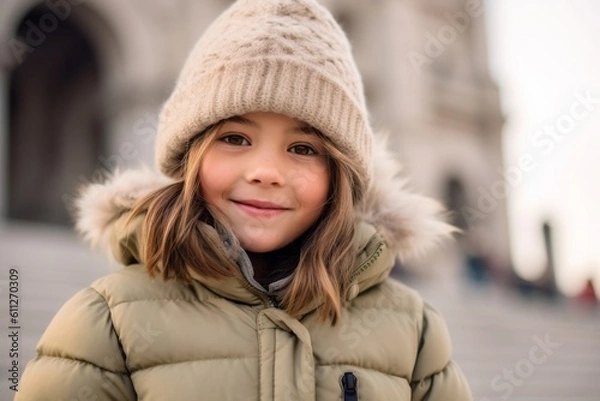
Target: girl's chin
[258,242]
[260,246]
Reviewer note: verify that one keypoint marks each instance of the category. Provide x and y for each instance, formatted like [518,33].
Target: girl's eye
[236,140]
[303,150]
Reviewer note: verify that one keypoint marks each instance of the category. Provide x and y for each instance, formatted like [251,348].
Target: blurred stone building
[81,82]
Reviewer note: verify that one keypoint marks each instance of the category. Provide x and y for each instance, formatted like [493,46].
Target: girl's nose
[265,172]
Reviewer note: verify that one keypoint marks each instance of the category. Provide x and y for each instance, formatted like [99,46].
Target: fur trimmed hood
[411,224]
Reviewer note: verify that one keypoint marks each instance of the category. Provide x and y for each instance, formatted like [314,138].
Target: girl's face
[269,176]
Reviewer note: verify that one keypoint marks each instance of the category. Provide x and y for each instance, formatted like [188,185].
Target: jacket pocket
[349,382]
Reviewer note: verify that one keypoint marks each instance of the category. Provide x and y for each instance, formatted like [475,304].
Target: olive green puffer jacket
[131,337]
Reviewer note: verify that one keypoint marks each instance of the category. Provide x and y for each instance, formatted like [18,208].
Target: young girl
[259,269]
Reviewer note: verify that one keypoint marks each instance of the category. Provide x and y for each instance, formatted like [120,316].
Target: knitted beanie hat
[282,56]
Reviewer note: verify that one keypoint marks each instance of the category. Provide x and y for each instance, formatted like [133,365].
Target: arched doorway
[55,114]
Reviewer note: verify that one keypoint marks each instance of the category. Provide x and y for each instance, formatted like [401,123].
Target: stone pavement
[510,348]
[520,349]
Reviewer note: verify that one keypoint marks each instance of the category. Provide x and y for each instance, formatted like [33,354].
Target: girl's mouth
[257,208]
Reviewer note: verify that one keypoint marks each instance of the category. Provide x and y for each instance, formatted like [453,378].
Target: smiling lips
[257,208]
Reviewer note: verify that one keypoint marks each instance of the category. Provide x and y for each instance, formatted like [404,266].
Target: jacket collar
[374,262]
[373,265]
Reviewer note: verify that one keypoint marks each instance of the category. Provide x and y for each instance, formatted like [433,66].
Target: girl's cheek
[315,183]
[207,185]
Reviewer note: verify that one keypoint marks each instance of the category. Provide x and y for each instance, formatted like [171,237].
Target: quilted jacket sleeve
[78,357]
[435,376]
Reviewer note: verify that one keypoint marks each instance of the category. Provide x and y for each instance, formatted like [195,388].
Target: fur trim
[99,205]
[411,224]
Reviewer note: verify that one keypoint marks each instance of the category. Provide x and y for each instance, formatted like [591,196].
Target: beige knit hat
[283,56]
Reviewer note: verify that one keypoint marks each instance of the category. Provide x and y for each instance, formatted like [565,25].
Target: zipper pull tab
[349,381]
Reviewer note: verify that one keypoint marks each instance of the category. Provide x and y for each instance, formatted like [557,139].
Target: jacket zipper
[349,381]
[267,302]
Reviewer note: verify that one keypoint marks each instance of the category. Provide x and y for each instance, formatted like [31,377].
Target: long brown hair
[181,231]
